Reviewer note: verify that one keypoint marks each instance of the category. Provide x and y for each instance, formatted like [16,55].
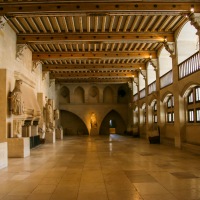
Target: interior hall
[99,100]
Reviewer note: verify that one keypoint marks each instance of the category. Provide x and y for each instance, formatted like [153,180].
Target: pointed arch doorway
[112,123]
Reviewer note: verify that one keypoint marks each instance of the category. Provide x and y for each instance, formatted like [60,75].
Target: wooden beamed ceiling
[95,41]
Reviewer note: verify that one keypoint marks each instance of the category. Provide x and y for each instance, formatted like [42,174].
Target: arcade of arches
[82,93]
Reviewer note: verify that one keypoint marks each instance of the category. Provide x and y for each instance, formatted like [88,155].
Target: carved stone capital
[143,73]
[3,21]
[51,82]
[130,85]
[35,65]
[170,47]
[20,51]
[154,63]
[44,75]
[195,21]
[136,81]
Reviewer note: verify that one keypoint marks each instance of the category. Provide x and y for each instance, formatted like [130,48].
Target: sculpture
[16,99]
[49,114]
[56,114]
[93,121]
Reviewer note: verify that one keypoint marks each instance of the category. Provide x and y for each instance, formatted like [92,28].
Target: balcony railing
[166,79]
[152,87]
[142,93]
[189,66]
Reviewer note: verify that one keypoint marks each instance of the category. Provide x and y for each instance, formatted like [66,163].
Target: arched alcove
[64,95]
[187,42]
[112,120]
[141,82]
[165,62]
[72,124]
[122,94]
[108,95]
[79,95]
[93,95]
[151,74]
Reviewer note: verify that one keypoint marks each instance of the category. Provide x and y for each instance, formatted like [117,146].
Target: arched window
[193,105]
[155,117]
[170,109]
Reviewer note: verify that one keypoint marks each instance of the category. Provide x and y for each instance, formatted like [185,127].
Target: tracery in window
[170,109]
[193,105]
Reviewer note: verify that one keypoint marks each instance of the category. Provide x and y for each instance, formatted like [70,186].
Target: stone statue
[49,114]
[16,99]
[17,128]
[93,121]
[56,114]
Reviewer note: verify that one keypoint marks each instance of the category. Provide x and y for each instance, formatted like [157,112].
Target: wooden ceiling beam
[62,7]
[95,37]
[95,80]
[50,67]
[93,74]
[97,55]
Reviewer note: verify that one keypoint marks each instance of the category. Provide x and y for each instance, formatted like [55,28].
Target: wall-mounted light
[192,8]
[150,56]
[165,39]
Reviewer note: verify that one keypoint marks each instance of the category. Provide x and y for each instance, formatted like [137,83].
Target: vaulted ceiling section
[95,41]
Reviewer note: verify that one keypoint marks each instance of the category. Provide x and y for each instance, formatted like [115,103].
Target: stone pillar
[130,108]
[3,117]
[178,100]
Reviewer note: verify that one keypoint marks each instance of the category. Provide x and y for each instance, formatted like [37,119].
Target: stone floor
[102,168]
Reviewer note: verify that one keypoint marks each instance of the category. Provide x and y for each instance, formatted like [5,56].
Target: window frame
[197,109]
[191,121]
[197,94]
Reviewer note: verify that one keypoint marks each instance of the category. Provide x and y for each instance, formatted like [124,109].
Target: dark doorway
[72,124]
[112,123]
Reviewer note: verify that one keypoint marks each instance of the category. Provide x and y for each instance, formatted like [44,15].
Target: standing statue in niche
[56,114]
[93,121]
[49,114]
[16,99]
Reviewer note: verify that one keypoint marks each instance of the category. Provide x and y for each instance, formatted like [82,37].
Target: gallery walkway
[102,168]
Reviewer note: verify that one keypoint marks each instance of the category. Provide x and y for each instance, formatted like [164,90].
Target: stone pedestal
[94,131]
[3,155]
[18,147]
[59,133]
[50,136]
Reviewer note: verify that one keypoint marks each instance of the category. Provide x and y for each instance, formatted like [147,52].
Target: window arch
[155,116]
[193,105]
[170,109]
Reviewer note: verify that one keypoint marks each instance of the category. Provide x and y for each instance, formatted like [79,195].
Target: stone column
[3,116]
[130,108]
[178,100]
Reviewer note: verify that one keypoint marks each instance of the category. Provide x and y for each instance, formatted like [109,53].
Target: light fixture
[150,56]
[192,8]
[165,39]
